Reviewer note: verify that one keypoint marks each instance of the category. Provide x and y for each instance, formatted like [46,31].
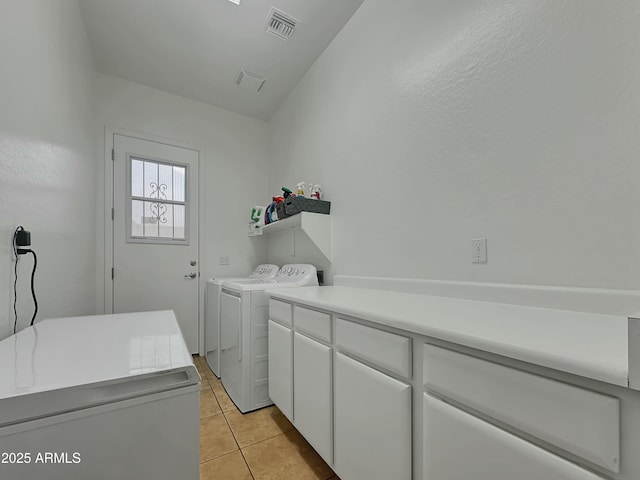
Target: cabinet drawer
[280,311]
[387,350]
[314,323]
[458,445]
[579,421]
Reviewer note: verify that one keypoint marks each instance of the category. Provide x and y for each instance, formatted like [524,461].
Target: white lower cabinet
[281,367]
[460,446]
[346,385]
[312,394]
[372,423]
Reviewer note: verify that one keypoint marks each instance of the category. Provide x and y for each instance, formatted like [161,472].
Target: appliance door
[151,436]
[231,346]
[212,328]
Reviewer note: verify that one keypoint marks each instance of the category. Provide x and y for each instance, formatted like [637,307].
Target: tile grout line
[240,449]
[234,436]
[244,459]
[230,429]
[224,414]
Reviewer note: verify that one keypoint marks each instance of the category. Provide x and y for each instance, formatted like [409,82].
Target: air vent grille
[249,80]
[280,24]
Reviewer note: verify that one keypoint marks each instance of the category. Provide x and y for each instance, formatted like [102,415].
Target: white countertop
[60,353]
[586,344]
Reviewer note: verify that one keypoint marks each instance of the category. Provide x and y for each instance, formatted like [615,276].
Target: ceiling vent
[281,24]
[250,81]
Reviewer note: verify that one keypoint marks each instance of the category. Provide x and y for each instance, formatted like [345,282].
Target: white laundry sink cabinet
[381,391]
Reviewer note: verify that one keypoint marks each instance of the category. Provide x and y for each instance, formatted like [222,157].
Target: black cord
[17,252]
[33,290]
[15,279]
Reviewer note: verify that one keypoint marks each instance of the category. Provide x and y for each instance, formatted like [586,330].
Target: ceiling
[196,48]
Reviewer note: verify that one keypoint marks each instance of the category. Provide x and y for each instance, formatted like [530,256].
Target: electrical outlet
[479,250]
[225,260]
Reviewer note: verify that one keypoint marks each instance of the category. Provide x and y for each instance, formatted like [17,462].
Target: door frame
[106,292]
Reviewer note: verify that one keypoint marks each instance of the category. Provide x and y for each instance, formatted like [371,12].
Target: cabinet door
[372,423]
[280,368]
[312,394]
[458,445]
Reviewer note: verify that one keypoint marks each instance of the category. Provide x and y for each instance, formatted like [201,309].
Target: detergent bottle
[271,215]
[256,214]
[300,189]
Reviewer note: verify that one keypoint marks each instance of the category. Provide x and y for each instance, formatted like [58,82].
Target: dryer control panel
[266,270]
[299,273]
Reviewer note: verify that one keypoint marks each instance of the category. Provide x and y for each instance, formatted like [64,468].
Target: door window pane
[165,179]
[137,178]
[179,220]
[179,176]
[150,179]
[157,202]
[137,218]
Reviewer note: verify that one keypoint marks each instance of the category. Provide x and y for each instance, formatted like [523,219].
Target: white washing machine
[244,313]
[212,311]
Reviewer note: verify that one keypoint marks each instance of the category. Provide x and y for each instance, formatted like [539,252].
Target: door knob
[191,275]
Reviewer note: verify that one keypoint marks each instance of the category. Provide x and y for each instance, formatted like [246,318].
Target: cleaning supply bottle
[256,214]
[271,215]
[300,188]
[317,192]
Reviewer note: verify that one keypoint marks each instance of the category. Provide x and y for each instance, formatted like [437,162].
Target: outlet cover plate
[479,250]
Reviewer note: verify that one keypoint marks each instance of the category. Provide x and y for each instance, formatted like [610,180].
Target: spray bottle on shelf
[316,192]
[300,189]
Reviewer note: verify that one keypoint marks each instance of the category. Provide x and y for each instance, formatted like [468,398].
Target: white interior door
[155,231]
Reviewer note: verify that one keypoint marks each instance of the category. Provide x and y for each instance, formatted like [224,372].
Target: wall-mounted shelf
[316,226]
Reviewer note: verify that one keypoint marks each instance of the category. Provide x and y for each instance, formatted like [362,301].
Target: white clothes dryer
[212,311]
[244,315]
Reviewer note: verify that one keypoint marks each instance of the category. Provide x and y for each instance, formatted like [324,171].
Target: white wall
[235,164]
[294,246]
[47,170]
[432,123]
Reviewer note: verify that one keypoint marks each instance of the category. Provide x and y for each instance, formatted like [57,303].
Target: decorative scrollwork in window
[158,209]
[157,190]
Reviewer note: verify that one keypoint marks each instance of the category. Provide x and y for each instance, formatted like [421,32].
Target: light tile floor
[260,445]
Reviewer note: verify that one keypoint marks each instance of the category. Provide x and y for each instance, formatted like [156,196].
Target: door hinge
[113,154]
[112,272]
[113,215]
